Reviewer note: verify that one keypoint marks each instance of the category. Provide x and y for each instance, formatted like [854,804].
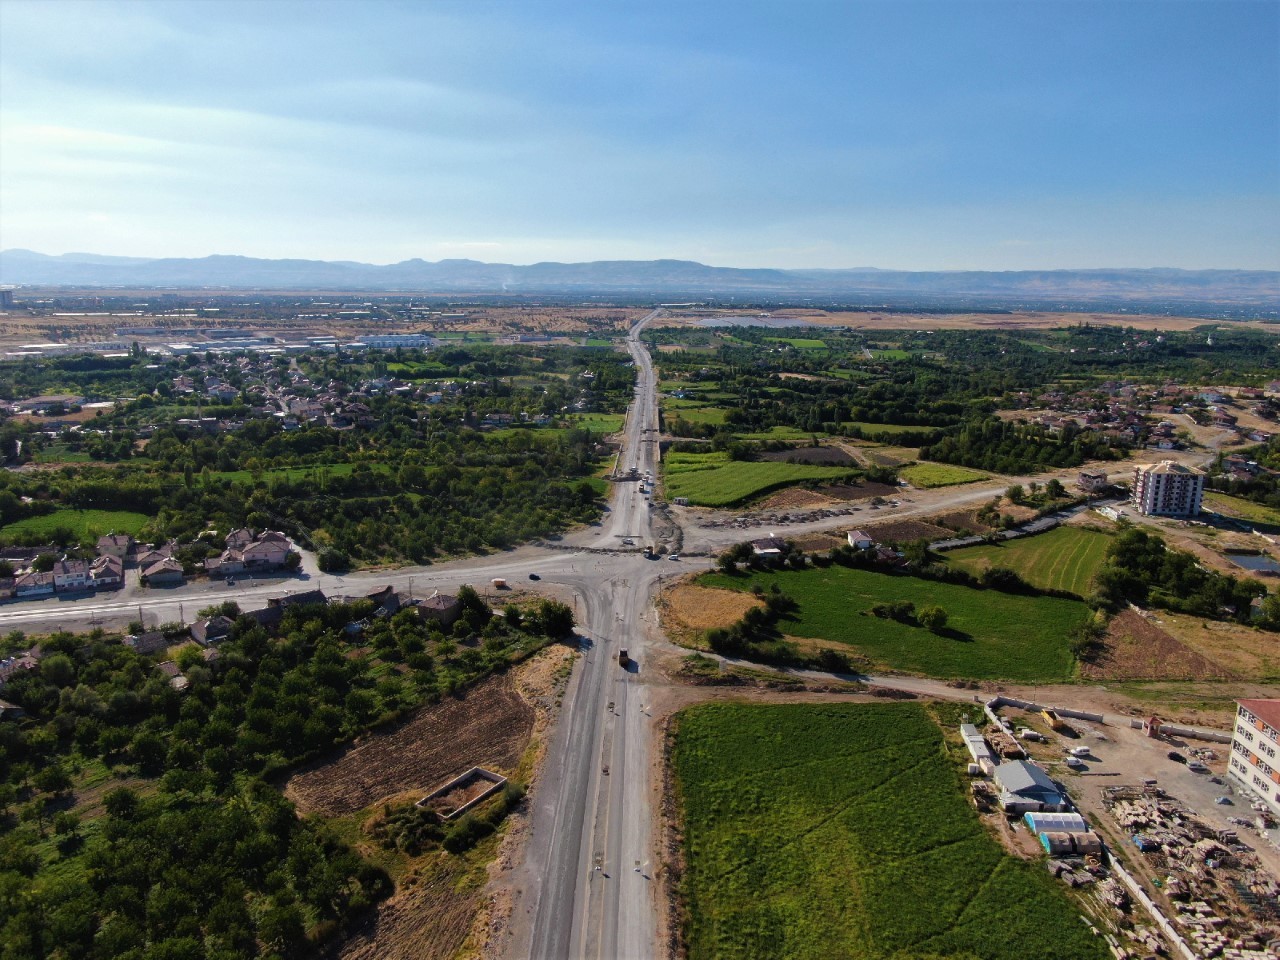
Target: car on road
[1176,757]
[630,542]
[674,556]
[534,576]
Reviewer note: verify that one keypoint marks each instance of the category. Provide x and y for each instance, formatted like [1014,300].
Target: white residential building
[1255,750]
[1168,489]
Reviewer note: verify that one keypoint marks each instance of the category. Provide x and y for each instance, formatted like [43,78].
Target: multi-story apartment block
[1168,489]
[1255,750]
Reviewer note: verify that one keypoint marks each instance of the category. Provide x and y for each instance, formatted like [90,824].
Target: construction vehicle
[648,550]
[623,658]
[1055,722]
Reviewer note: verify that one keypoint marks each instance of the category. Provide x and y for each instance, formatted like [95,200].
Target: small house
[106,572]
[861,540]
[441,607]
[212,630]
[768,547]
[115,545]
[165,573]
[70,575]
[33,585]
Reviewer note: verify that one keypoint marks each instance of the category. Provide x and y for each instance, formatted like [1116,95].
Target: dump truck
[623,658]
[1055,722]
[648,550]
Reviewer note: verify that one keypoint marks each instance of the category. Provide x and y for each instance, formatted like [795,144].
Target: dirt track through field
[489,727]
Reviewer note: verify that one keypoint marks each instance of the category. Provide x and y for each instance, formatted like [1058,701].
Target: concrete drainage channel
[453,799]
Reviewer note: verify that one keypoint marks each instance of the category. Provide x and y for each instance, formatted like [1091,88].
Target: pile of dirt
[904,531]
[489,727]
[858,491]
[1136,649]
[824,456]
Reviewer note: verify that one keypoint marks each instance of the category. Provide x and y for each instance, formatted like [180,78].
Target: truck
[623,658]
[648,550]
[499,583]
[1055,722]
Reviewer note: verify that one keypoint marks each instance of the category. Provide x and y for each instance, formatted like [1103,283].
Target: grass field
[843,830]
[939,475]
[1230,506]
[86,525]
[296,473]
[875,429]
[780,433]
[990,635]
[599,422]
[1062,559]
[696,414]
[61,453]
[712,480]
[800,343]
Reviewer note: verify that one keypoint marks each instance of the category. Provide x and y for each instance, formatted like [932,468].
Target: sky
[905,135]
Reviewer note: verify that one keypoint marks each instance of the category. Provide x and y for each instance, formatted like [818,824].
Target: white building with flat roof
[1167,489]
[1255,750]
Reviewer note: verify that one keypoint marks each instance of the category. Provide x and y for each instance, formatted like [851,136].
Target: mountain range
[661,277]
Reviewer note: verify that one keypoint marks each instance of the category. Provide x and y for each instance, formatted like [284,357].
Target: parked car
[1195,766]
[1176,757]
[534,576]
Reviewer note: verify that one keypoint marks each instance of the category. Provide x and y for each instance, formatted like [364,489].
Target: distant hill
[658,277]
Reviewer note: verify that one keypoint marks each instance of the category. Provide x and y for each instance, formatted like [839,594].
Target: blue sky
[954,135]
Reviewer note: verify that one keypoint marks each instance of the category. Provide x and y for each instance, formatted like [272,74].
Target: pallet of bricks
[1218,893]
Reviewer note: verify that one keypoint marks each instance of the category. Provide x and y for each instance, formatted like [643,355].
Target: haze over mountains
[28,268]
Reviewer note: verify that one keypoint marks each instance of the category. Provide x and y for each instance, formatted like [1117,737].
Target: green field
[86,525]
[927,475]
[843,830]
[61,453]
[1230,506]
[695,414]
[780,433]
[296,473]
[1065,558]
[891,354]
[800,343]
[888,428]
[712,480]
[990,635]
[599,422]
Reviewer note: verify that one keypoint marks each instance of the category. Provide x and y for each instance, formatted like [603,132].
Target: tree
[1015,493]
[1054,489]
[556,618]
[933,619]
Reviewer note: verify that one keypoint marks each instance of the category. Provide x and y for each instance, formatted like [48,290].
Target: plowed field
[1136,649]
[490,727]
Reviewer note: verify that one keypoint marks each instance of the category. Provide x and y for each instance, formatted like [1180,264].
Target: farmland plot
[816,831]
[989,635]
[712,480]
[1062,559]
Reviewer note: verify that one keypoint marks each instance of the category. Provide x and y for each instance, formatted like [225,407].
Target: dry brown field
[490,726]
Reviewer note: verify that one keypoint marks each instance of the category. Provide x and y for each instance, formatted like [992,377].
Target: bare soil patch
[1137,649]
[857,491]
[818,542]
[490,726]
[794,498]
[903,531]
[829,456]
[1235,648]
[687,609]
